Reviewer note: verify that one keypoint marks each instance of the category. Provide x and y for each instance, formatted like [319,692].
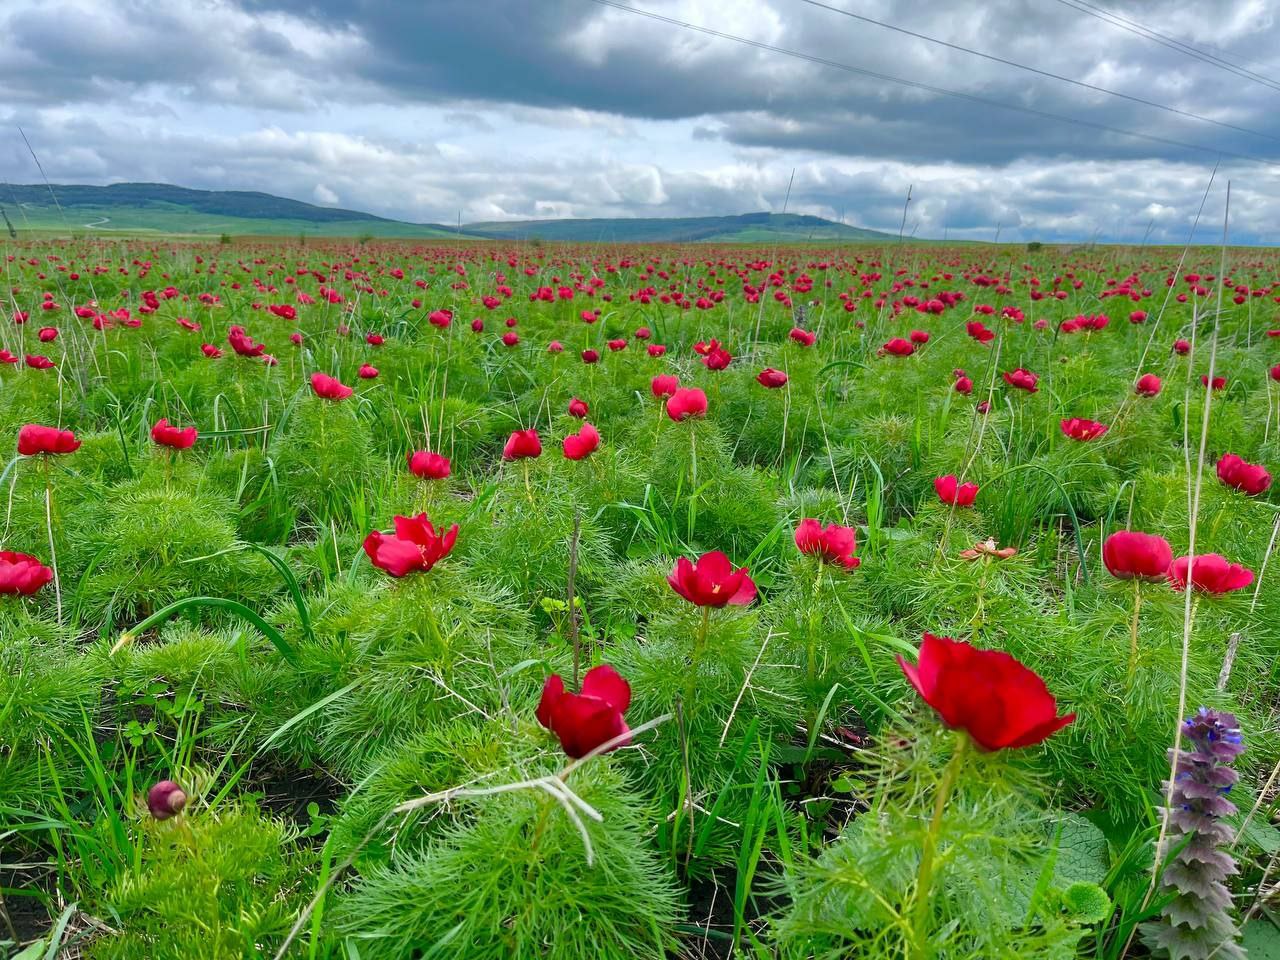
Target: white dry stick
[1229,659]
[746,682]
[553,784]
[1168,294]
[1266,789]
[1271,545]
[572,814]
[615,742]
[1191,555]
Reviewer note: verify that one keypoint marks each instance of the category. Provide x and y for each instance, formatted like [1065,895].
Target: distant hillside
[132,208]
[162,208]
[744,228]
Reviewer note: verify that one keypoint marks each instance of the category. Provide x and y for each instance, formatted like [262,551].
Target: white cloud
[488,110]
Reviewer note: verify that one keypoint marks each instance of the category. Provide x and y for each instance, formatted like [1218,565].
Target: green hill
[162,208]
[159,208]
[744,228]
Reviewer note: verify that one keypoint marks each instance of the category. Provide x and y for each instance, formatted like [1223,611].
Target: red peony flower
[1218,382]
[712,581]
[243,344]
[954,493]
[664,385]
[416,546]
[1210,573]
[898,347]
[34,439]
[986,693]
[1148,385]
[578,408]
[686,402]
[805,338]
[428,465]
[1022,380]
[1250,478]
[580,445]
[584,721]
[1130,554]
[329,388]
[167,435]
[978,330]
[717,358]
[1182,347]
[522,445]
[367,371]
[22,574]
[771,378]
[834,543]
[1080,429]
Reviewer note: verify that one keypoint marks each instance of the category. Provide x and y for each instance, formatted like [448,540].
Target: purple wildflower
[1197,923]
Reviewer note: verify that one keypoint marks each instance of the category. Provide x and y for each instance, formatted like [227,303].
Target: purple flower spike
[1197,923]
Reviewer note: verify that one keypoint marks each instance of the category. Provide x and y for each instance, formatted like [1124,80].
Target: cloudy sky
[447,110]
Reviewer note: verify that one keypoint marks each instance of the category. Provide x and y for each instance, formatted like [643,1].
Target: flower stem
[693,480]
[691,679]
[48,520]
[811,658]
[442,645]
[1133,629]
[811,644]
[979,611]
[924,879]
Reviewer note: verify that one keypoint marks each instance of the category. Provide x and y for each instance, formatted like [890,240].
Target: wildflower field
[508,600]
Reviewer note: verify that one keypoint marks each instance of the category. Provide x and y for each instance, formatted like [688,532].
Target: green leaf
[231,606]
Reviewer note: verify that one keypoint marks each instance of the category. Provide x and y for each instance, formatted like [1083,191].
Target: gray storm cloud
[499,109]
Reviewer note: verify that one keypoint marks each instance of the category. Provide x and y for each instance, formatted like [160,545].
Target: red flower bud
[166,799]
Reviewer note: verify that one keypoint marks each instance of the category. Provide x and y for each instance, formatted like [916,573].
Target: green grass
[366,776]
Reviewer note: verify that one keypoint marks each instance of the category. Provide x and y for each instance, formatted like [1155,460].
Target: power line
[1036,70]
[918,85]
[1187,47]
[1134,27]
